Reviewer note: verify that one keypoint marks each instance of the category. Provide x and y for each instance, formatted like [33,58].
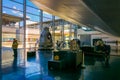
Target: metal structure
[24,25]
[0,38]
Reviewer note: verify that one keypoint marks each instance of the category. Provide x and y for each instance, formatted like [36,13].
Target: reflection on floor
[36,69]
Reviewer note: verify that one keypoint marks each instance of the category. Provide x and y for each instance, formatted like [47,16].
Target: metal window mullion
[63,31]
[24,25]
[0,26]
[75,32]
[41,20]
[70,31]
[0,38]
[53,25]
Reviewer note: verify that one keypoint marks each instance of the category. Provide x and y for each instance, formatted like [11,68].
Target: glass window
[47,15]
[12,5]
[12,12]
[46,19]
[19,1]
[33,11]
[29,3]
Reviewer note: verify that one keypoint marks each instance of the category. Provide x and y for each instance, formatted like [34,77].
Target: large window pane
[12,16]
[33,11]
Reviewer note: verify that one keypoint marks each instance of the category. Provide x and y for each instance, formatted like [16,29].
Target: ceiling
[101,15]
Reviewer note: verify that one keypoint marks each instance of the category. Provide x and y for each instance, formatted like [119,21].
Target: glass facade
[27,29]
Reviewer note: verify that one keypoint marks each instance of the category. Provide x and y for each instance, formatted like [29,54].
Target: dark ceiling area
[108,11]
[101,15]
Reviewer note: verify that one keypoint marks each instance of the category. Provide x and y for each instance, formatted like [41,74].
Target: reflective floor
[36,69]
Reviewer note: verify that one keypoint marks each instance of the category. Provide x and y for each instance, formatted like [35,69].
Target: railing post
[83,60]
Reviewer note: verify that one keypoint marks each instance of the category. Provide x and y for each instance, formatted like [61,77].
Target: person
[14,47]
[36,44]
[58,44]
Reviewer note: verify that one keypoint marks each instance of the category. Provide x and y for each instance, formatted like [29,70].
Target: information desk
[66,60]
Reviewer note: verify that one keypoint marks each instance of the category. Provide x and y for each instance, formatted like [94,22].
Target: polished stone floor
[35,68]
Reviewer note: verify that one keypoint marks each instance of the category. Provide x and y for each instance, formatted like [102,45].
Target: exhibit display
[67,58]
[46,39]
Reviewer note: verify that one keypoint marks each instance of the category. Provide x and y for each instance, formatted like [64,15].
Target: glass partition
[11,28]
[27,29]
